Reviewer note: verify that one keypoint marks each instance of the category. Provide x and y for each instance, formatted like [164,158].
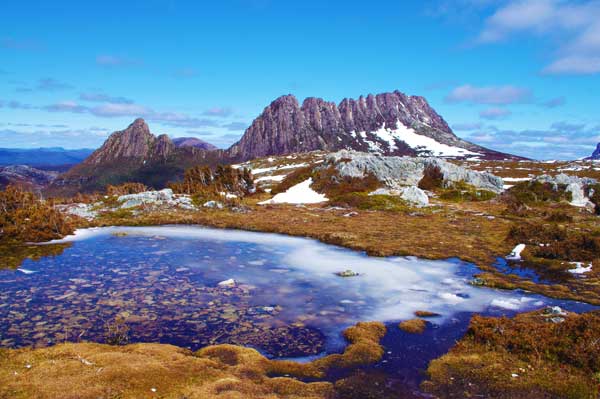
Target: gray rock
[213,204]
[397,172]
[411,194]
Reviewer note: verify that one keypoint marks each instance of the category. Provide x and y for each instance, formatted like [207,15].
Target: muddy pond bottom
[194,286]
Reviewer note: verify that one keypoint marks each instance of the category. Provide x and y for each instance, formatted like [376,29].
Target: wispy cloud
[573,28]
[561,140]
[43,84]
[493,95]
[104,98]
[115,110]
[20,44]
[554,102]
[495,113]
[218,111]
[107,60]
[235,126]
[66,106]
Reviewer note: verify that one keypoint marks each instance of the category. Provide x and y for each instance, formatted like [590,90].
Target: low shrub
[432,179]
[125,189]
[25,217]
[532,192]
[364,201]
[329,182]
[204,181]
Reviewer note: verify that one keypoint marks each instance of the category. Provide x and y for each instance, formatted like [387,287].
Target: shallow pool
[161,284]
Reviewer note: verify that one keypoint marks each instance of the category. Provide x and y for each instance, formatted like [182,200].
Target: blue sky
[517,76]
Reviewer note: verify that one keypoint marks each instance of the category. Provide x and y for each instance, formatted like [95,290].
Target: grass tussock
[413,326]
[524,357]
[154,370]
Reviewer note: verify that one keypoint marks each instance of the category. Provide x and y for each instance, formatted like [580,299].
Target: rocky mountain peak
[388,123]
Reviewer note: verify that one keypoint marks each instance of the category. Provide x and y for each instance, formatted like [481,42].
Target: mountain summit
[596,154]
[388,123]
[133,154]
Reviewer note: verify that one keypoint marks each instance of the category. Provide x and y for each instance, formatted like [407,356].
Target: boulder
[397,172]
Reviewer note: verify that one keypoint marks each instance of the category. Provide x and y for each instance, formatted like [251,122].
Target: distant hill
[42,156]
[25,176]
[193,142]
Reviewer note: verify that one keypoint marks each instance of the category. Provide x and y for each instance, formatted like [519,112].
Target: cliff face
[388,123]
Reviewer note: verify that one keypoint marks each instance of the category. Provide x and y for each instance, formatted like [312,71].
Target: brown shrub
[24,217]
[413,326]
[125,189]
[202,180]
[432,179]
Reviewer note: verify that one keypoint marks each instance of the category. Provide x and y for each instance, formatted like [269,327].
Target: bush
[203,181]
[533,192]
[432,179]
[125,189]
[364,201]
[24,217]
[330,182]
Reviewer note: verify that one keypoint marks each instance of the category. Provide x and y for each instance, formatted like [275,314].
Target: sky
[519,76]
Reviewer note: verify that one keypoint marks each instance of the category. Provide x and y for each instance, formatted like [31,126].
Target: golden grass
[88,370]
[524,357]
[413,326]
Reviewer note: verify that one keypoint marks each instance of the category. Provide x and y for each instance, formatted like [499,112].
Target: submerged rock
[227,283]
[347,273]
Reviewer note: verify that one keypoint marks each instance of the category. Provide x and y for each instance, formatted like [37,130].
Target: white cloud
[495,113]
[572,27]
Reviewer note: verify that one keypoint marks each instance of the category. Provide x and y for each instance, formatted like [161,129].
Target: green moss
[364,201]
[534,192]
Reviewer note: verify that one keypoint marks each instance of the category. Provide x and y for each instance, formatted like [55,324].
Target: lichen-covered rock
[397,172]
[411,194]
[574,185]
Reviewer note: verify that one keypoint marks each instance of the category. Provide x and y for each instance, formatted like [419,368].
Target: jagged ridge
[389,123]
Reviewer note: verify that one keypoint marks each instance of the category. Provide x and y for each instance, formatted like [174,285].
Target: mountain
[596,153]
[193,142]
[388,123]
[133,154]
[25,176]
[42,156]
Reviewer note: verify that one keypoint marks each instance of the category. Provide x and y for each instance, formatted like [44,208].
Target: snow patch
[516,252]
[299,194]
[579,268]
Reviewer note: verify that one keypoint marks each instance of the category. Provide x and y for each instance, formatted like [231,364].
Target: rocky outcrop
[193,142]
[398,172]
[388,123]
[576,186]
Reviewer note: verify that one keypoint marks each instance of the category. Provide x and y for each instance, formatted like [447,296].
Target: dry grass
[413,326]
[524,357]
[165,371]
